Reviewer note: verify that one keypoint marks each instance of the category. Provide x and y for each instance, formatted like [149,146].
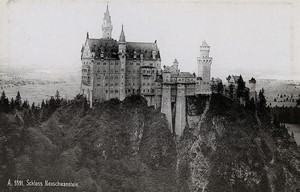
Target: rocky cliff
[232,149]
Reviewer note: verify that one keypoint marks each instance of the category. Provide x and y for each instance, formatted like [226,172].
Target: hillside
[232,149]
[117,146]
[127,146]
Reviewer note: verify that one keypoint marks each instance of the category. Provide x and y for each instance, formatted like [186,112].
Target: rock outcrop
[232,149]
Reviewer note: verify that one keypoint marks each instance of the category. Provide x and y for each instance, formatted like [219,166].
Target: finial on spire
[107,11]
[87,35]
[122,35]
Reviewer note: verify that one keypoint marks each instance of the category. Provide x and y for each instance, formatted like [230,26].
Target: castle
[116,69]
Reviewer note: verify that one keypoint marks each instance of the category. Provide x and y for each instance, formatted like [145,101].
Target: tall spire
[107,16]
[107,26]
[122,36]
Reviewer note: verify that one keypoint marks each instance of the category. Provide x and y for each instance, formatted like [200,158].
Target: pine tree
[231,91]
[33,106]
[18,101]
[43,104]
[262,102]
[220,87]
[240,88]
[4,103]
[25,105]
[12,104]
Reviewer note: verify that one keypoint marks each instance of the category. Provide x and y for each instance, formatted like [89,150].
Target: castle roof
[109,47]
[138,48]
[170,69]
[186,75]
[235,78]
[204,43]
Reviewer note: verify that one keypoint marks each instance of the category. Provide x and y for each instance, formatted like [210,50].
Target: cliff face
[231,149]
[127,144]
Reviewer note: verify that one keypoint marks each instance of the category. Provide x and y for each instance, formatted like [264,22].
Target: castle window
[111,91]
[116,77]
[144,84]
[104,63]
[137,63]
[98,84]
[106,84]
[144,71]
[104,71]
[116,91]
[117,63]
[106,91]
[106,77]
[131,63]
[98,63]
[148,84]
[151,64]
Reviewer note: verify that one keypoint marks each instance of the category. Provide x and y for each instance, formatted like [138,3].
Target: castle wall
[106,79]
[166,104]
[180,116]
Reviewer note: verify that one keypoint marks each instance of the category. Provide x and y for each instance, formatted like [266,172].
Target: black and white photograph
[149,96]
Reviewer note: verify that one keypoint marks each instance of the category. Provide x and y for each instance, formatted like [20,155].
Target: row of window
[148,71]
[109,63]
[148,90]
[117,63]
[106,77]
[111,71]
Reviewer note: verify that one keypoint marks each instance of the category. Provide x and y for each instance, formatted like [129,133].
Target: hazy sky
[252,38]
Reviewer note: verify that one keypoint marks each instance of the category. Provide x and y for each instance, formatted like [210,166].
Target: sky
[252,38]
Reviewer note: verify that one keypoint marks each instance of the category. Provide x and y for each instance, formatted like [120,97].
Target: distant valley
[43,84]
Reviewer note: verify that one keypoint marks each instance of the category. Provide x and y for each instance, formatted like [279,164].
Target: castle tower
[252,87]
[180,117]
[204,62]
[175,64]
[106,26]
[122,56]
[204,66]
